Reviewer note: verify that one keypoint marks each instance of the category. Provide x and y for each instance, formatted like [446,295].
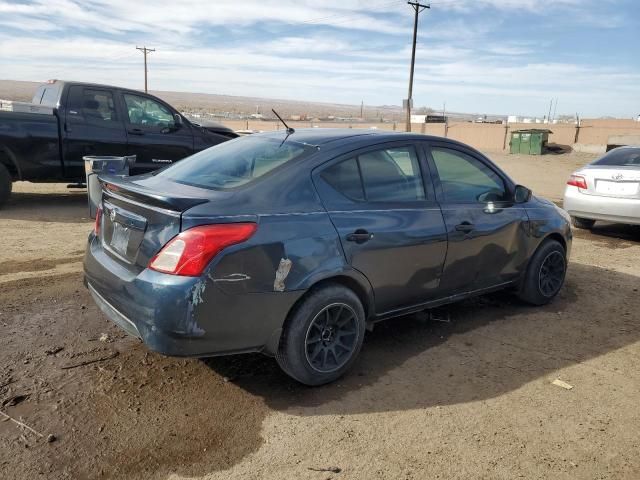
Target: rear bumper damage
[184,316]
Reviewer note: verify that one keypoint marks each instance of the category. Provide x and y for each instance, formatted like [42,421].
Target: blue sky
[484,56]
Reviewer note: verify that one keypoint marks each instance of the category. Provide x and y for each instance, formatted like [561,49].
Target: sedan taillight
[96,226]
[577,181]
[189,252]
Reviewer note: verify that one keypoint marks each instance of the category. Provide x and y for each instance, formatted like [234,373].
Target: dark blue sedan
[292,244]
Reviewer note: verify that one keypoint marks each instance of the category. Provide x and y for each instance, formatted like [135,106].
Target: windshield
[234,163]
[621,157]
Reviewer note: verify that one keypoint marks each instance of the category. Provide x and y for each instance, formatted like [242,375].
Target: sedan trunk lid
[141,214]
[618,181]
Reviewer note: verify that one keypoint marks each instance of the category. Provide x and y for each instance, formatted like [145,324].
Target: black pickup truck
[44,141]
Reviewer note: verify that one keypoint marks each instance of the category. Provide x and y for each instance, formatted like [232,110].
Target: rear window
[37,97]
[621,157]
[235,163]
[47,95]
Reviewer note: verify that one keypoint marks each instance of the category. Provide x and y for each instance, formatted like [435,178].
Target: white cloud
[460,59]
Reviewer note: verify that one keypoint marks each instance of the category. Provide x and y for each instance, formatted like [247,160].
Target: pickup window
[146,112]
[93,105]
[47,95]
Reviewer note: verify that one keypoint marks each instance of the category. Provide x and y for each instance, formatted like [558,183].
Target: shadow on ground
[142,415]
[493,345]
[610,234]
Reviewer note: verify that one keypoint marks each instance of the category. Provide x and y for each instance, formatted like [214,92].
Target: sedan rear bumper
[114,315]
[184,316]
[595,207]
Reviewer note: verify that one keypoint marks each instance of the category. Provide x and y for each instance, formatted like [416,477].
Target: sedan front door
[389,224]
[487,230]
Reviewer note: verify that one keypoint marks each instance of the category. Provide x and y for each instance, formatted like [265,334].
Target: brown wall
[593,134]
[597,132]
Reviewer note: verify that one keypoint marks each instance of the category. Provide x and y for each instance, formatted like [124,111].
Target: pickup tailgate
[139,219]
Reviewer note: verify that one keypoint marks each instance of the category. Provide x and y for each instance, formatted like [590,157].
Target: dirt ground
[470,398]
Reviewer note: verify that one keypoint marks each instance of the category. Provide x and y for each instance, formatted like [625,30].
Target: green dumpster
[529,142]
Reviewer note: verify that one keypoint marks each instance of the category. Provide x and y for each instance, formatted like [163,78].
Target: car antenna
[289,129]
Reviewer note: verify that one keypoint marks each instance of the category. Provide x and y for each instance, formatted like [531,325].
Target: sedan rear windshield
[621,157]
[235,163]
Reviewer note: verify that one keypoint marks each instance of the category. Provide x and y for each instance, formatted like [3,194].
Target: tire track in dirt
[35,265]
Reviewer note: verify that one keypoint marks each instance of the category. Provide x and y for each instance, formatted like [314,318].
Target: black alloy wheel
[331,338]
[322,335]
[551,275]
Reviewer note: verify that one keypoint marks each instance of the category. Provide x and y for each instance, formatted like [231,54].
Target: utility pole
[417,7]
[144,51]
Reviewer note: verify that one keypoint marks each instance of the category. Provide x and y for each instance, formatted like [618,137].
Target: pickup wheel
[5,185]
[322,336]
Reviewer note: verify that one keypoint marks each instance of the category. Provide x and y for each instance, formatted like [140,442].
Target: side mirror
[522,194]
[178,119]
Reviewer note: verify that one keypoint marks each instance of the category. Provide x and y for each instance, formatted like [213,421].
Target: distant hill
[19,91]
[242,107]
[194,102]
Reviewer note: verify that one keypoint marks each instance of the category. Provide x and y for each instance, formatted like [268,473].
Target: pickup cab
[45,141]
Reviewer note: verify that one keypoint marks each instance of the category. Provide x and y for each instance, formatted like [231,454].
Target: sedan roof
[321,136]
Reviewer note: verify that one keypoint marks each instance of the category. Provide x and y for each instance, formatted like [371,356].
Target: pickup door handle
[465,227]
[359,236]
[135,131]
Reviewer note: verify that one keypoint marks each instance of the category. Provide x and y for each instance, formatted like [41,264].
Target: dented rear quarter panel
[245,295]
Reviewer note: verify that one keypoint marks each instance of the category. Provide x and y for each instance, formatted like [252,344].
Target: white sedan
[607,189]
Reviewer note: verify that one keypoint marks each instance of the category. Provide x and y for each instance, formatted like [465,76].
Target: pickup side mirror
[177,125]
[522,194]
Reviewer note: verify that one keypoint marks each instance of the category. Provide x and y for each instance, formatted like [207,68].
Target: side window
[392,175]
[345,178]
[93,105]
[465,179]
[146,112]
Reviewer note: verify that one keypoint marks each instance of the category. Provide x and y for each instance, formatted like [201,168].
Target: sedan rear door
[389,224]
[92,126]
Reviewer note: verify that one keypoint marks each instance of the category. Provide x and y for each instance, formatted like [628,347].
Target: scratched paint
[284,267]
[233,277]
[198,290]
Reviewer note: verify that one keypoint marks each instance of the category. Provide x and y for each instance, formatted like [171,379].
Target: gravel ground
[469,398]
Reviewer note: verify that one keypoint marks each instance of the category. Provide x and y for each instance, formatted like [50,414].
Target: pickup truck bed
[30,145]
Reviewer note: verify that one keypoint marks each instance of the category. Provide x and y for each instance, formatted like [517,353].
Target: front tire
[582,223]
[5,185]
[322,336]
[545,274]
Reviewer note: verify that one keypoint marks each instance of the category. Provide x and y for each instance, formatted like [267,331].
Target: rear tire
[545,274]
[322,336]
[583,223]
[5,185]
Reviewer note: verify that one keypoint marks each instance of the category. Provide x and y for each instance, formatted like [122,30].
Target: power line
[145,50]
[417,7]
